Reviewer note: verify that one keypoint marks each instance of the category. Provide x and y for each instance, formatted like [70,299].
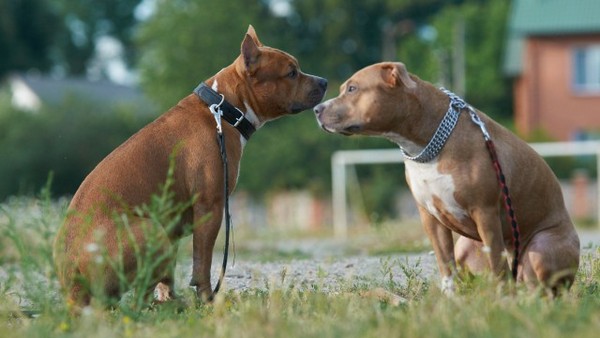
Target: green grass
[482,308]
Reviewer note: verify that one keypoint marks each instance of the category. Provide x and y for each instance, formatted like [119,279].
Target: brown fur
[262,80]
[385,100]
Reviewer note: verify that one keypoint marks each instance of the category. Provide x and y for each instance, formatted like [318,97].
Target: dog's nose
[319,108]
[322,83]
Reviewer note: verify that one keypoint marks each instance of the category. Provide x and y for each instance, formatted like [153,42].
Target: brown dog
[457,189]
[264,83]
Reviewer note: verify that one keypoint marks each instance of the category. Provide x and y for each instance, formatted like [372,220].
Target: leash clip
[215,109]
[475,118]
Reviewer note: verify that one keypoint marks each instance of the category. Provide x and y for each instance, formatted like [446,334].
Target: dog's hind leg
[148,258]
[78,295]
[165,289]
[551,259]
[470,256]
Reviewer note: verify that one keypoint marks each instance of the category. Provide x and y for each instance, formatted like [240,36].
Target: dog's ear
[250,53]
[395,73]
[253,35]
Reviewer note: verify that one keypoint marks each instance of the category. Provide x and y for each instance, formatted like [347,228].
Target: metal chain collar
[442,133]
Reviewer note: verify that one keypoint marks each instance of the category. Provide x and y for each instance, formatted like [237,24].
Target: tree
[333,38]
[485,27]
[190,41]
[67,139]
[61,35]
[27,28]
[338,37]
[84,21]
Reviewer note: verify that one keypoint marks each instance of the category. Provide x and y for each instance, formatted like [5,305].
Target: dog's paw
[163,293]
[447,286]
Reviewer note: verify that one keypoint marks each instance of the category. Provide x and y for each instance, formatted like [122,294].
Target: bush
[68,140]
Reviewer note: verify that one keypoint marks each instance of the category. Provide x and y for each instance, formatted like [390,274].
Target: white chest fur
[428,184]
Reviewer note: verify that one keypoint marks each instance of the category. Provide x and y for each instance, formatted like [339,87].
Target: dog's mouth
[347,131]
[314,97]
[350,130]
[331,131]
[299,107]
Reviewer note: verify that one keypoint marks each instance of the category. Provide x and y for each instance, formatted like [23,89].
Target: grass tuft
[284,306]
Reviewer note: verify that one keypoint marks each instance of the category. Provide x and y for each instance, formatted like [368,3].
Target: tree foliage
[84,21]
[186,41]
[67,140]
[60,35]
[338,37]
[26,30]
[485,22]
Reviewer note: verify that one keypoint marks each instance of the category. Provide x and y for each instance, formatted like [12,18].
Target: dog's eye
[292,74]
[351,89]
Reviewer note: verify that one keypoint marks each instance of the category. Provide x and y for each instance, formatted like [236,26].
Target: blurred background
[78,77]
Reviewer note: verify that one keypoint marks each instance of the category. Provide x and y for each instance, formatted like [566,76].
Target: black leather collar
[231,114]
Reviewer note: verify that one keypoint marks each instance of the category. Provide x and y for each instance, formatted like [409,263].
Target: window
[586,69]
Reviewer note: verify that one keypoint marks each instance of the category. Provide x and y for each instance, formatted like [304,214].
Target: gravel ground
[326,270]
[330,271]
[324,274]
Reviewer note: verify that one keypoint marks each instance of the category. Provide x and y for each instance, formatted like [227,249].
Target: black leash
[221,109]
[221,140]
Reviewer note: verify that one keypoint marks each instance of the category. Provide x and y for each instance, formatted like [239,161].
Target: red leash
[510,212]
[456,105]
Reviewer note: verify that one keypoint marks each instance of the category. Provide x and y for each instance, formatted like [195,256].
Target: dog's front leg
[204,236]
[489,229]
[443,246]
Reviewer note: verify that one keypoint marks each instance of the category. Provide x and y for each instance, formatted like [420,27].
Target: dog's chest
[434,191]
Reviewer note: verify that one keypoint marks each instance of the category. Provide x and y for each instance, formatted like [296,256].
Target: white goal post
[340,160]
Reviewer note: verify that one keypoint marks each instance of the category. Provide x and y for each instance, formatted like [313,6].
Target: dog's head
[274,77]
[370,102]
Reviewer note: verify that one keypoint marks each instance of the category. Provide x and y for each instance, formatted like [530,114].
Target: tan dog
[264,83]
[457,190]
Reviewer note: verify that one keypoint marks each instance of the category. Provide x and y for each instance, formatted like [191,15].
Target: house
[29,91]
[553,57]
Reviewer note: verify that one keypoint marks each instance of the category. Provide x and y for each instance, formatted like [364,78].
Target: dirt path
[329,271]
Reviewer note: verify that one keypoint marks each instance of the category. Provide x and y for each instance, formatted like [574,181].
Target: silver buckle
[239,119]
